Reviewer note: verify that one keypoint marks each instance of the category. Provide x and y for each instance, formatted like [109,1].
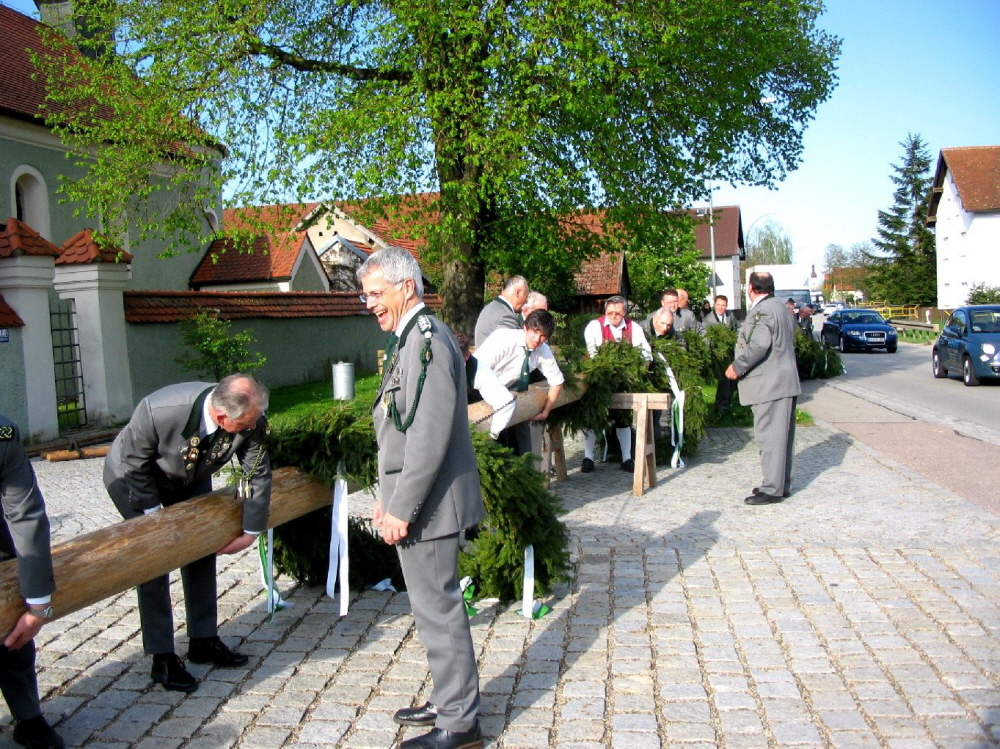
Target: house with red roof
[964,210]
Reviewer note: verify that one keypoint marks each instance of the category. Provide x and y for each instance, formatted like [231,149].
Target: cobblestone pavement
[861,612]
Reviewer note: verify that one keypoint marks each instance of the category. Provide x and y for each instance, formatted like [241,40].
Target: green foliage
[666,257]
[769,246]
[517,116]
[904,268]
[519,512]
[816,361]
[218,353]
[621,368]
[981,293]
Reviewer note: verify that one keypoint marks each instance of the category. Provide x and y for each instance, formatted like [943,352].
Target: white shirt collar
[413,312]
[208,424]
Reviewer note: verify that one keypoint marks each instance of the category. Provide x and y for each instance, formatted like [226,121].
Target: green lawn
[296,401]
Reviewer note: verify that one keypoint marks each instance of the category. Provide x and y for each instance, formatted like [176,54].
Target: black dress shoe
[425,715]
[756,490]
[36,733]
[169,671]
[442,739]
[762,498]
[588,466]
[213,650]
[628,465]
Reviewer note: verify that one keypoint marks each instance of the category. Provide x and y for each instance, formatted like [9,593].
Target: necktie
[390,346]
[522,382]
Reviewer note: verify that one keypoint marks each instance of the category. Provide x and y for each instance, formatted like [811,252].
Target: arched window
[31,200]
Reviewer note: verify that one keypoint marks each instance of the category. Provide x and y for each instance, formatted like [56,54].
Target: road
[906,376]
[940,429]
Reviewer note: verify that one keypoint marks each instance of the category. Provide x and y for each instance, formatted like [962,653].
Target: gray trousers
[430,569]
[198,579]
[18,681]
[774,432]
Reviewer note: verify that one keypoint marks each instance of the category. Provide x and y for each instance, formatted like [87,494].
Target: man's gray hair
[662,313]
[536,299]
[616,299]
[514,282]
[238,394]
[397,265]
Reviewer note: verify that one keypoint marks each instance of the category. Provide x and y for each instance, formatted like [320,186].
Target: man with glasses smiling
[428,489]
[176,439]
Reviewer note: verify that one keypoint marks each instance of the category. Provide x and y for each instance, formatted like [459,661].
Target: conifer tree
[904,265]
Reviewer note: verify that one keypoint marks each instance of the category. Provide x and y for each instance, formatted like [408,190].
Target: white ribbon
[528,588]
[338,544]
[676,417]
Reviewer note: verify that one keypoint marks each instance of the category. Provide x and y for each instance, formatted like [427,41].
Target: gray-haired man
[428,489]
[176,439]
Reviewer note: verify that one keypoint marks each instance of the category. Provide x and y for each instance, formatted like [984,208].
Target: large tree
[903,267]
[515,114]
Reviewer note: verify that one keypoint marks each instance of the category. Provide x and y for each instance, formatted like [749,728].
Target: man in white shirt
[512,355]
[613,327]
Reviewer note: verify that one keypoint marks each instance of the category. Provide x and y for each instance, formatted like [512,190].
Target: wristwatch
[43,613]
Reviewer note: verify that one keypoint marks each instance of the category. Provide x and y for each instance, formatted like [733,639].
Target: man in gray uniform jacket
[768,376]
[429,489]
[24,535]
[504,311]
[176,439]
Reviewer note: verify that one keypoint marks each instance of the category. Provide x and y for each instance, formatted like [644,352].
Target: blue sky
[907,66]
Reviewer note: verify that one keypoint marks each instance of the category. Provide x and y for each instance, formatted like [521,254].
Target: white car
[830,307]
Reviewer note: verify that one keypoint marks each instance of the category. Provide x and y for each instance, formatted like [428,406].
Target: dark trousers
[198,580]
[430,570]
[18,681]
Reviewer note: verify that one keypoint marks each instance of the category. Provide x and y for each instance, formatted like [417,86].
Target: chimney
[60,15]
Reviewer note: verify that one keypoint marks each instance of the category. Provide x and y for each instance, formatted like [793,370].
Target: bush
[218,353]
[980,293]
[816,361]
[519,511]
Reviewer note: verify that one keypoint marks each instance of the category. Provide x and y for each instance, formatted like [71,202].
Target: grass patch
[294,402]
[917,336]
[738,415]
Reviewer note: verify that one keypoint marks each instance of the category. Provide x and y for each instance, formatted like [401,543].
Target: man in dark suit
[429,489]
[768,376]
[176,439]
[720,315]
[504,311]
[24,535]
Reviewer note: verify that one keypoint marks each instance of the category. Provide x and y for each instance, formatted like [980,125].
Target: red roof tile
[82,247]
[976,173]
[728,231]
[17,238]
[267,260]
[8,317]
[393,222]
[174,306]
[601,276]
[22,88]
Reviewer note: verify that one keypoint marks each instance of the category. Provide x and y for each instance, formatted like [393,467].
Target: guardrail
[902,311]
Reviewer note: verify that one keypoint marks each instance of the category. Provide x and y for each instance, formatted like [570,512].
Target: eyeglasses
[374,296]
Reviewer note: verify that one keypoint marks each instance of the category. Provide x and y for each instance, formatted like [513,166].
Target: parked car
[858,330]
[970,342]
[830,307]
